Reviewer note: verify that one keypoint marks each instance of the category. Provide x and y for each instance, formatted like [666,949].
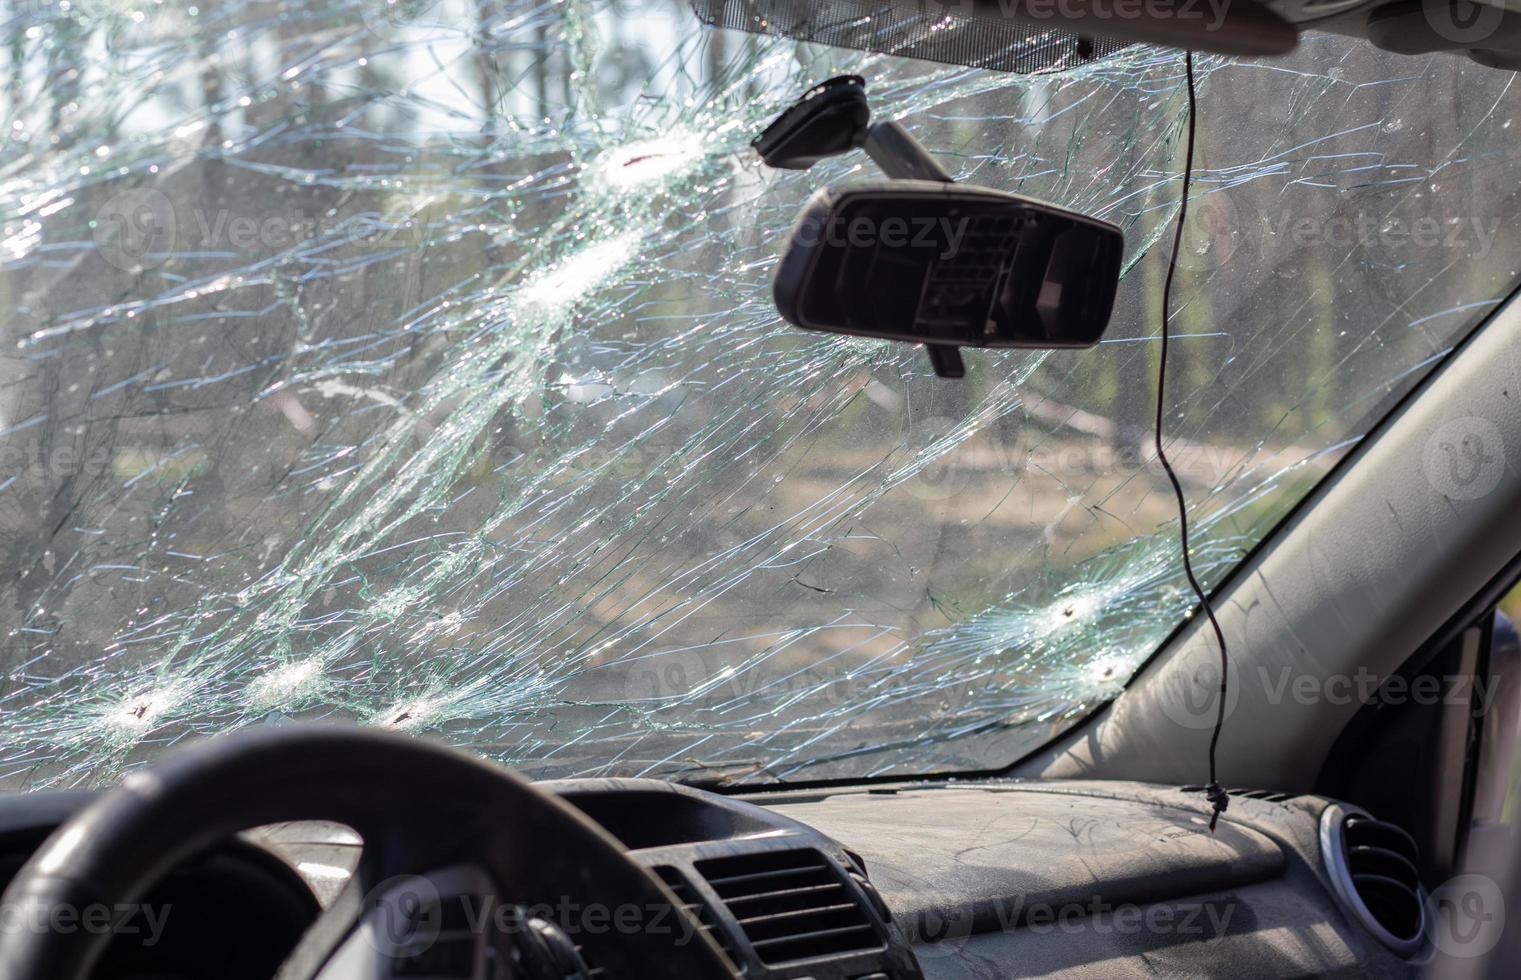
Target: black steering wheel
[440,828]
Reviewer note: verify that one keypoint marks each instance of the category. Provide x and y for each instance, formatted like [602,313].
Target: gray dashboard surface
[1266,932]
[986,879]
[985,859]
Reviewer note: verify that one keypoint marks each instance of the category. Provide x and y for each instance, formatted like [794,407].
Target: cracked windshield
[416,365]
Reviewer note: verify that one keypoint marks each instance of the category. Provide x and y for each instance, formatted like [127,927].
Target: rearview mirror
[949,266]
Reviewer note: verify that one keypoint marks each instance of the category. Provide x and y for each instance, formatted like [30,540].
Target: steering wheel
[461,859]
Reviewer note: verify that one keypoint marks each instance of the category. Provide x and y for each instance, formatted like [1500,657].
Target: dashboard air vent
[693,904]
[1373,868]
[791,905]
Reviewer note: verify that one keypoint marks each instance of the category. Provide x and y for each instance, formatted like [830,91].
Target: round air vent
[1373,869]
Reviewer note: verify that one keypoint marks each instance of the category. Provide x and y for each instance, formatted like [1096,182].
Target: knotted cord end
[1219,799]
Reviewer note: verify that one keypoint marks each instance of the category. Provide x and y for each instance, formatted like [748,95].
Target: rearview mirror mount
[921,259]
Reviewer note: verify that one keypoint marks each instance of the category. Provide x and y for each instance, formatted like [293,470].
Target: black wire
[1216,796]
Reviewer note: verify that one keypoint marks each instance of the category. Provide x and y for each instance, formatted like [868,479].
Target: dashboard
[984,879]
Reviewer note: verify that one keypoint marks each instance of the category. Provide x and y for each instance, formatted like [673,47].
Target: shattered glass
[414,364]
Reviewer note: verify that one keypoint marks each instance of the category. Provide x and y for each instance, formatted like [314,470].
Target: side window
[1435,748]
[1497,783]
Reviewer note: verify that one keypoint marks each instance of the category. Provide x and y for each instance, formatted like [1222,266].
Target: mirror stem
[946,360]
[899,155]
[895,151]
